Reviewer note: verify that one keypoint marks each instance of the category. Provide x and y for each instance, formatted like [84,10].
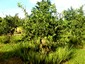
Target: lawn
[9,56]
[78,57]
[9,53]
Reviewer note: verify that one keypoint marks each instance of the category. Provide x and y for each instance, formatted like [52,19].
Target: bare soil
[14,60]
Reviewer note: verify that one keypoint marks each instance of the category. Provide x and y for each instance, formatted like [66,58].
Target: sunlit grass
[78,57]
[13,49]
[7,47]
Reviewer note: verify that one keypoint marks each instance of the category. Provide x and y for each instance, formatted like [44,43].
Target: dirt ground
[14,60]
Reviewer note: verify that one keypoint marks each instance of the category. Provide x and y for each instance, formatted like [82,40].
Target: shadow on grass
[10,57]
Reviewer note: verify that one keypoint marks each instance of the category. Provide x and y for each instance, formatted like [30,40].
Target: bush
[61,55]
[28,52]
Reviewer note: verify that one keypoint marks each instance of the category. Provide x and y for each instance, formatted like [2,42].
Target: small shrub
[61,55]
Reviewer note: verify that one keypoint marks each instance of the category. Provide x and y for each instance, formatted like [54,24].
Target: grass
[15,38]
[4,39]
[78,57]
[7,47]
[9,52]
[10,39]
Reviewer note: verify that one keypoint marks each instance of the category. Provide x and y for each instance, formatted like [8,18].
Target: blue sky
[10,7]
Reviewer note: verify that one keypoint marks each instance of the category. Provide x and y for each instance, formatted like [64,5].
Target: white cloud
[64,4]
[34,1]
[1,14]
[13,11]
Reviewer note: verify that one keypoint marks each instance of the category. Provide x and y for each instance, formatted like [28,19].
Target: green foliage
[72,14]
[72,28]
[41,22]
[9,24]
[45,36]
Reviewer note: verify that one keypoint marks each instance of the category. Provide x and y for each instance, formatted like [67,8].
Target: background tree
[8,24]
[73,27]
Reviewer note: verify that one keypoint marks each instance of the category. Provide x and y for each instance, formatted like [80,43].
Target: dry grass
[14,60]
